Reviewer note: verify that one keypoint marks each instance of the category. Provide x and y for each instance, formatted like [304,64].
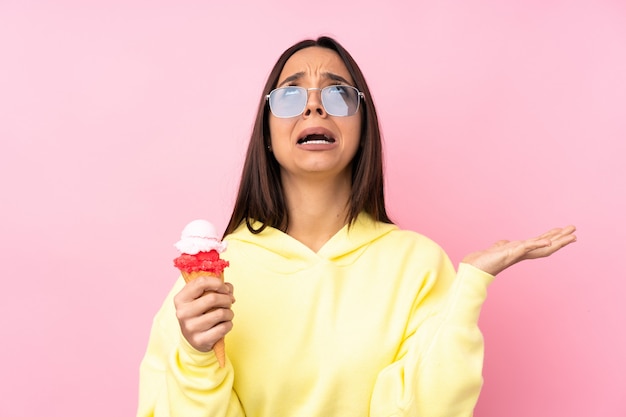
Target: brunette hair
[261,198]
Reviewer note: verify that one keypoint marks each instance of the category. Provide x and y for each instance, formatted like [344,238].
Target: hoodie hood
[276,247]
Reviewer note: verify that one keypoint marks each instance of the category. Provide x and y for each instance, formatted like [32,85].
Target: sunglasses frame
[360,96]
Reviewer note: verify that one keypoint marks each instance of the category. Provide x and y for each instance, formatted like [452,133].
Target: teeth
[316,139]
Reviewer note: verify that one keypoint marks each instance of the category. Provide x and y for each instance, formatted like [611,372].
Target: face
[315,143]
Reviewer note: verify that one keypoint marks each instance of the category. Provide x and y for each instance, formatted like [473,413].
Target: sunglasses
[338,100]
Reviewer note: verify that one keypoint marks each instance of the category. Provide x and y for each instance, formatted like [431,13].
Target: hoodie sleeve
[177,380]
[438,369]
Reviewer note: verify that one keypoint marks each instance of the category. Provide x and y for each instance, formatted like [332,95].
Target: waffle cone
[218,347]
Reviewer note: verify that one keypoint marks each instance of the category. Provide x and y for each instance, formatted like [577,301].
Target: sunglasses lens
[340,100]
[288,101]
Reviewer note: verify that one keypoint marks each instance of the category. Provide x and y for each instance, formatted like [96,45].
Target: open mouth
[316,139]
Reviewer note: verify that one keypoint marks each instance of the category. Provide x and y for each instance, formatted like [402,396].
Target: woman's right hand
[203,311]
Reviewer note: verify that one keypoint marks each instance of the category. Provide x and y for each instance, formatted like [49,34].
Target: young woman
[339,312]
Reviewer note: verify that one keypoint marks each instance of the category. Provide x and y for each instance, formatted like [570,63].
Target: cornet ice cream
[200,249]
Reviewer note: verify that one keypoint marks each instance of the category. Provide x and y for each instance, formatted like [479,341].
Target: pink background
[120,121]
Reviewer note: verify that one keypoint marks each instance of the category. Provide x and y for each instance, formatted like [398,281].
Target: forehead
[315,62]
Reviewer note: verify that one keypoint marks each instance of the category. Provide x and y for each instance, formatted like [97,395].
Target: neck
[317,209]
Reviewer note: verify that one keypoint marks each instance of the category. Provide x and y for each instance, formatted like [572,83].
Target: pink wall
[121,121]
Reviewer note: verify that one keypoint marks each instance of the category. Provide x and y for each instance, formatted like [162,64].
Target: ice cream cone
[219,348]
[200,247]
[188,276]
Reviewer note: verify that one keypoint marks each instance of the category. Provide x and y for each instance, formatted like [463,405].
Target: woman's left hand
[505,253]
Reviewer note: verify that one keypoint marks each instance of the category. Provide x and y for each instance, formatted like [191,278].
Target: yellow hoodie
[377,323]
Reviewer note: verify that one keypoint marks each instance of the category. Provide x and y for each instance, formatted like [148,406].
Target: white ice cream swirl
[199,236]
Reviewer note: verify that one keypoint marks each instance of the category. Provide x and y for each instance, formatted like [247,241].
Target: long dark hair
[261,197]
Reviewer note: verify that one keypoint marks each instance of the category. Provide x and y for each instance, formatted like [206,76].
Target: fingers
[504,254]
[203,310]
[564,237]
[554,236]
[558,233]
[231,291]
[558,238]
[203,284]
[196,288]
[201,295]
[204,331]
[207,302]
[534,244]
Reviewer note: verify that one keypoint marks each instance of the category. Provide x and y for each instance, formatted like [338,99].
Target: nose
[314,103]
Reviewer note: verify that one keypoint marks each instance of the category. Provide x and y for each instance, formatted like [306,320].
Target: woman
[339,313]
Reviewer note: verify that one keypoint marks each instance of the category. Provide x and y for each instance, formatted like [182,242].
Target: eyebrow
[328,75]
